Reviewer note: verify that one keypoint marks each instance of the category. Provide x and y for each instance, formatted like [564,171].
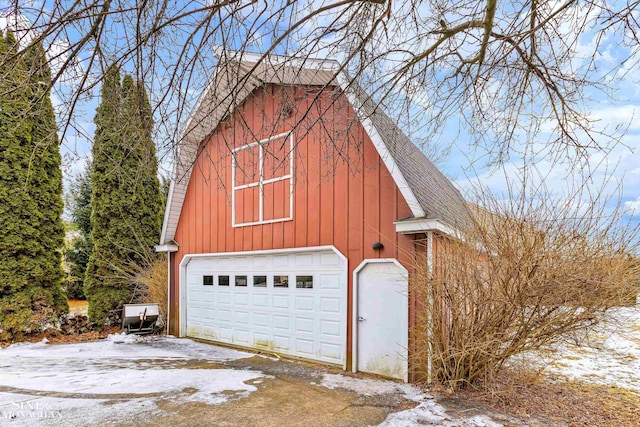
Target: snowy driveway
[163,381]
[170,381]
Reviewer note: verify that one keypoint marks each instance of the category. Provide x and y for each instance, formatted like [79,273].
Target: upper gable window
[262,181]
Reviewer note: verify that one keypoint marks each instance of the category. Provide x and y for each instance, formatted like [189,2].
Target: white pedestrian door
[382,319]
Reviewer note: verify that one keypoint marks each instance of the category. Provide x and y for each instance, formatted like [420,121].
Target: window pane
[277,200]
[247,205]
[241,280]
[260,281]
[223,280]
[207,280]
[247,166]
[304,282]
[277,158]
[281,281]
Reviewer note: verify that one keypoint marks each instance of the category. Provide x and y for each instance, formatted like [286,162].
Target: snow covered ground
[427,413]
[119,379]
[607,355]
[111,380]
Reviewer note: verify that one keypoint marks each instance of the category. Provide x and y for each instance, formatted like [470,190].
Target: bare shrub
[523,275]
[151,284]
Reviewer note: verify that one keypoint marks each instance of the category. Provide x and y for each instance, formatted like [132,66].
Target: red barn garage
[296,214]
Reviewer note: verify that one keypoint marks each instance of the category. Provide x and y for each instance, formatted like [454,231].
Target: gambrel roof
[434,202]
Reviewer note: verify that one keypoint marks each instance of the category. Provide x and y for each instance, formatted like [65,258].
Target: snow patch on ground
[124,338]
[365,387]
[149,347]
[610,354]
[20,410]
[430,413]
[114,379]
[427,413]
[103,381]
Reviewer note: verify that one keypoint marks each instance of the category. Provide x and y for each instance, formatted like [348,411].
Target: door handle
[361,319]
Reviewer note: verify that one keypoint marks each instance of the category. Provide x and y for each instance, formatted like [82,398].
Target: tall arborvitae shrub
[31,228]
[81,246]
[126,201]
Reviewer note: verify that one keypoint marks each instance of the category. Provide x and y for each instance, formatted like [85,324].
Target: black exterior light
[287,110]
[377,246]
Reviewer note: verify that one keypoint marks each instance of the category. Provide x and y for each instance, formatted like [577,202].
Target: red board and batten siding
[344,195]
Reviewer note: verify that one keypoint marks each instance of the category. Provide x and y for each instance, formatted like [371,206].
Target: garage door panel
[281,342]
[329,282]
[260,300]
[280,260]
[224,298]
[304,347]
[304,325]
[304,260]
[225,315]
[225,333]
[330,351]
[241,299]
[329,259]
[195,329]
[304,303]
[242,317]
[330,328]
[281,322]
[262,340]
[330,305]
[259,261]
[307,322]
[261,320]
[241,336]
[281,301]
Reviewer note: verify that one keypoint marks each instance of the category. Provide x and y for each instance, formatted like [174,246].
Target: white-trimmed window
[262,181]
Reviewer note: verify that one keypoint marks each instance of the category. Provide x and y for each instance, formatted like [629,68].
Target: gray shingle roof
[435,193]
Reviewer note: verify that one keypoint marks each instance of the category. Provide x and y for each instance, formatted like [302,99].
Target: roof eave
[423,225]
[167,248]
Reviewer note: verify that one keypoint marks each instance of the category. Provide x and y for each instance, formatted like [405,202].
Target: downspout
[430,306]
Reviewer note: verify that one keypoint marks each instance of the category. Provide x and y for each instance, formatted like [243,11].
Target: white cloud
[57,55]
[20,25]
[57,52]
[633,205]
[622,117]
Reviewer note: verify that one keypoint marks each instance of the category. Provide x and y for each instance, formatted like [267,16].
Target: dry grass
[78,306]
[541,401]
[154,284]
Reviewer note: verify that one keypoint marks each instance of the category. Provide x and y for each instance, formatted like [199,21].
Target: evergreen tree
[77,256]
[126,200]
[31,227]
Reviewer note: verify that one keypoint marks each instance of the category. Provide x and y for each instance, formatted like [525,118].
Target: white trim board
[422,225]
[261,181]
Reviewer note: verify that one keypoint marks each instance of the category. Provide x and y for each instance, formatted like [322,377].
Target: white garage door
[287,302]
